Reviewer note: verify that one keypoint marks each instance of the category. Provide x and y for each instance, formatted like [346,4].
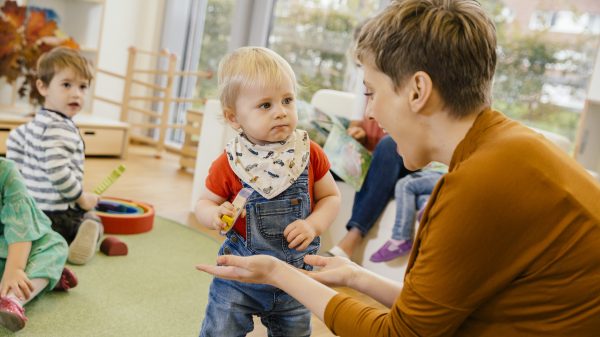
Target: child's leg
[386,168]
[85,244]
[47,258]
[39,284]
[410,191]
[12,314]
[227,314]
[65,222]
[44,266]
[288,318]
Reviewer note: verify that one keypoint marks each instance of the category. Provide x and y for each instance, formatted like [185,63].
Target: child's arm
[60,146]
[210,208]
[301,233]
[14,277]
[356,131]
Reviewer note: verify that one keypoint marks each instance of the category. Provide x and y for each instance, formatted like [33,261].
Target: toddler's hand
[356,132]
[299,234]
[17,281]
[88,201]
[226,208]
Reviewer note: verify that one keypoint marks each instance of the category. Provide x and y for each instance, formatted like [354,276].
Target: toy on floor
[109,180]
[122,216]
[112,246]
[238,206]
[118,207]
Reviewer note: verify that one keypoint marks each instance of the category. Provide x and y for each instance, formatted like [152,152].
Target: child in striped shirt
[49,152]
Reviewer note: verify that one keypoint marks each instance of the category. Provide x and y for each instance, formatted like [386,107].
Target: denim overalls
[231,304]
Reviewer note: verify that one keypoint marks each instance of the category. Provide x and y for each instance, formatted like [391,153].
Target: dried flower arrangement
[25,34]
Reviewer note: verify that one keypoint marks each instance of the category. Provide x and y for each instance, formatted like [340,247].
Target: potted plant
[25,34]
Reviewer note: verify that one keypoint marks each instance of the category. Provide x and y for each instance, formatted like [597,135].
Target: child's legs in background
[66,222]
[92,215]
[411,191]
[84,246]
[386,168]
[82,230]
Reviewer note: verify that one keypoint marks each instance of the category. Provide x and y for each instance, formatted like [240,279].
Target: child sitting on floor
[294,196]
[411,193]
[50,152]
[32,255]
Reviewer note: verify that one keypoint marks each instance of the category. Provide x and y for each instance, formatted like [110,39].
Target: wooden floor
[163,184]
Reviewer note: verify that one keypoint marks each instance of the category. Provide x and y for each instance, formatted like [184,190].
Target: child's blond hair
[251,66]
[61,58]
[453,41]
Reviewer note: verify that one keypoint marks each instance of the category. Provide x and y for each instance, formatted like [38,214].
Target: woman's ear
[420,90]
[231,118]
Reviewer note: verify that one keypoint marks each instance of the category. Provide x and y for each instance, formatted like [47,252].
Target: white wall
[594,89]
[588,147]
[128,23]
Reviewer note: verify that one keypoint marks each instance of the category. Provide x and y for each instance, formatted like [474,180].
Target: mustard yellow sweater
[509,245]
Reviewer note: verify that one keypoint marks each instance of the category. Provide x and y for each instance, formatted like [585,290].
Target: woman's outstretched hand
[333,271]
[250,269]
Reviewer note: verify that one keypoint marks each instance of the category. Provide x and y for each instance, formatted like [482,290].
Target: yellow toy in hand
[238,205]
[108,181]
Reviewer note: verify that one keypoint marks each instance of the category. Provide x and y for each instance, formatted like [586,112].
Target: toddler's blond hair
[251,66]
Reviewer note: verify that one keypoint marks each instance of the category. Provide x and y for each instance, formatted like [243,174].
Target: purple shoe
[386,254]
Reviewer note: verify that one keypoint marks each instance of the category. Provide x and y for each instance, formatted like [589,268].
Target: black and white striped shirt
[49,152]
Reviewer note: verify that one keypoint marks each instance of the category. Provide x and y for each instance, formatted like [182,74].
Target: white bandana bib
[269,169]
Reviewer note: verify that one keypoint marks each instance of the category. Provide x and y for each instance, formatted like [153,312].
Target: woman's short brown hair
[453,41]
[61,58]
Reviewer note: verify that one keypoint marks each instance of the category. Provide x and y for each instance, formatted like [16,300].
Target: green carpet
[153,291]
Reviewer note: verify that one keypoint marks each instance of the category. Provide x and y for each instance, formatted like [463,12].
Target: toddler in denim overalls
[294,196]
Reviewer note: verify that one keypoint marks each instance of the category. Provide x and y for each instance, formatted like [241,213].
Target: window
[315,37]
[215,42]
[215,26]
[543,72]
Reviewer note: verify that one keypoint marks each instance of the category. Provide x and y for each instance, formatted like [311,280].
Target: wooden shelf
[102,137]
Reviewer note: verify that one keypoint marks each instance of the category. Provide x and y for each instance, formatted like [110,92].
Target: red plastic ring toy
[127,223]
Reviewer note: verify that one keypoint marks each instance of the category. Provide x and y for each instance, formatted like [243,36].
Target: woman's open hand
[332,271]
[250,269]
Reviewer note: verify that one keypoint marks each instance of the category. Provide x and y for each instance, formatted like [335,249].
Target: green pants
[46,259]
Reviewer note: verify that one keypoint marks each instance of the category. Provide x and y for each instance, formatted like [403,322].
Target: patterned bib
[269,169]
